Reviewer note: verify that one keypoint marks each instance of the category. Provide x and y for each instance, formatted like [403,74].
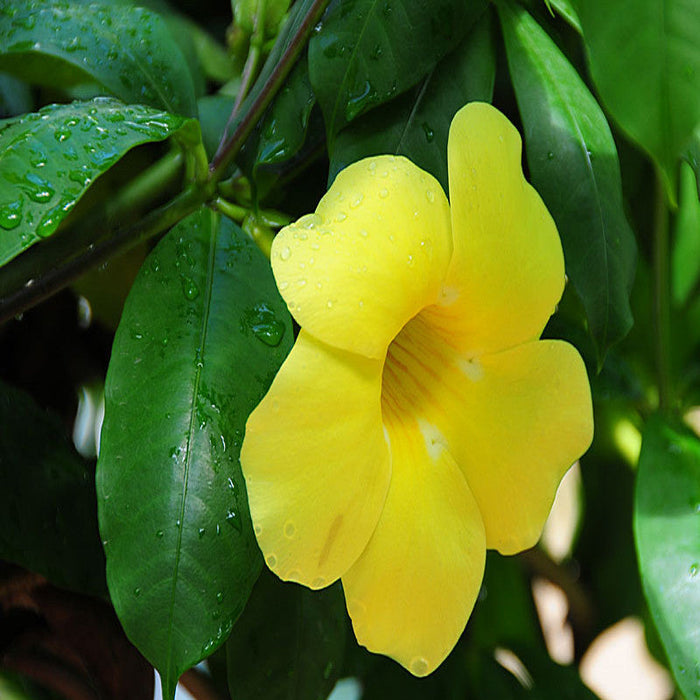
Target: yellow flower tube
[418,420]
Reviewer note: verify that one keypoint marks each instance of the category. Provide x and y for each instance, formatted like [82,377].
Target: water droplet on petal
[419,666]
[289,529]
[430,196]
[383,193]
[285,253]
[271,560]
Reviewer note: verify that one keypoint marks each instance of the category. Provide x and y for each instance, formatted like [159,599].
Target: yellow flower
[418,420]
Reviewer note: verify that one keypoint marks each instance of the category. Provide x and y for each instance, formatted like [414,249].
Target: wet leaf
[370,51]
[574,166]
[416,124]
[49,159]
[128,51]
[202,334]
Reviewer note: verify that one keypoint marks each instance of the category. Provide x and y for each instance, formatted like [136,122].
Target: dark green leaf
[202,334]
[504,611]
[288,644]
[567,10]
[214,111]
[645,61]
[282,131]
[685,257]
[48,159]
[369,51]
[128,51]
[48,512]
[692,156]
[574,166]
[15,97]
[416,124]
[667,533]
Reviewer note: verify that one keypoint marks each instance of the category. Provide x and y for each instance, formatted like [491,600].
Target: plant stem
[662,298]
[273,83]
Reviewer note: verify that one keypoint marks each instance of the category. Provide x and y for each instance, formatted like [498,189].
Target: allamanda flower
[418,420]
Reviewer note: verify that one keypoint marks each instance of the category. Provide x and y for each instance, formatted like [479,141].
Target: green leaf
[692,156]
[685,256]
[128,51]
[281,132]
[667,533]
[566,9]
[416,124]
[288,644]
[202,334]
[48,160]
[369,51]
[574,166]
[645,60]
[214,111]
[15,97]
[48,514]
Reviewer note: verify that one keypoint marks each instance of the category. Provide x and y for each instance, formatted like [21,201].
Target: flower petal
[316,462]
[507,272]
[411,592]
[374,253]
[515,421]
[523,423]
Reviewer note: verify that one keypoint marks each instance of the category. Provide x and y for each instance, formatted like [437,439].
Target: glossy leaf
[667,533]
[48,160]
[48,514]
[202,334]
[288,644]
[685,256]
[574,166]
[416,124]
[652,85]
[369,51]
[127,51]
[566,9]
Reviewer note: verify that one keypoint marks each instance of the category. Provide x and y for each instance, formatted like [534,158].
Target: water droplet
[189,288]
[11,214]
[693,571]
[341,216]
[38,189]
[550,155]
[356,201]
[285,253]
[363,233]
[430,196]
[201,532]
[271,561]
[178,523]
[219,597]
[62,135]
[383,193]
[289,529]
[428,131]
[372,166]
[357,103]
[376,53]
[257,530]
[419,666]
[329,304]
[159,533]
[137,592]
[410,261]
[265,325]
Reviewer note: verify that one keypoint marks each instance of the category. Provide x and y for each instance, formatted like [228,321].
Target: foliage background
[123,171]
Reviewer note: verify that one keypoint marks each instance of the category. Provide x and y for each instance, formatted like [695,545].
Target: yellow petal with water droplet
[411,592]
[507,271]
[400,236]
[316,462]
